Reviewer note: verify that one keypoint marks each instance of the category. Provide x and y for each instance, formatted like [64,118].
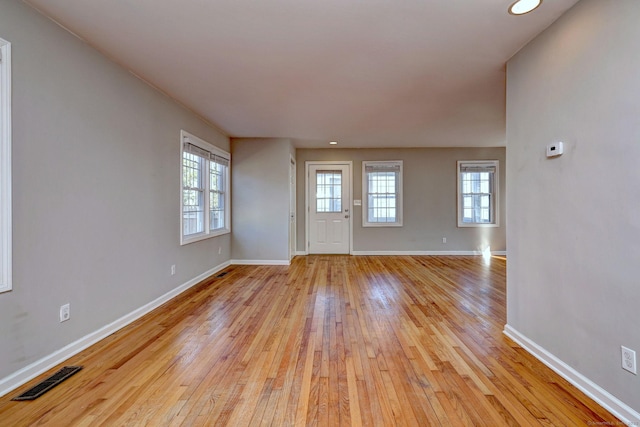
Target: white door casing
[292,208]
[328,207]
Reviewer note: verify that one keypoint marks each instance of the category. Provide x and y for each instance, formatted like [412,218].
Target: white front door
[329,208]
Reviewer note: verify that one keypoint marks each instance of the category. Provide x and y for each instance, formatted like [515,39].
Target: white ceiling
[368,73]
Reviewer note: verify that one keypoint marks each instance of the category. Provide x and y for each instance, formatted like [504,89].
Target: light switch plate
[555,149]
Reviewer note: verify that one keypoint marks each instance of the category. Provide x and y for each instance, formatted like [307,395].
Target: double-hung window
[205,197]
[5,166]
[382,193]
[478,193]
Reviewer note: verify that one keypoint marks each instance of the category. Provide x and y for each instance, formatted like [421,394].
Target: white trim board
[440,253]
[409,253]
[5,167]
[605,399]
[38,367]
[259,262]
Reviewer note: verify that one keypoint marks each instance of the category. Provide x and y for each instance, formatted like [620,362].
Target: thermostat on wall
[554,149]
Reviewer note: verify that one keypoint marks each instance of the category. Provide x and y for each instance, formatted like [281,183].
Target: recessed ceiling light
[524,6]
[333,143]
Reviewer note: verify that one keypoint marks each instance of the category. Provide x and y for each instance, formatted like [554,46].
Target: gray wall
[429,177]
[574,228]
[260,199]
[95,191]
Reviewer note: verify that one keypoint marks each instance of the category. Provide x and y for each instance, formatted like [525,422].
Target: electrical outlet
[65,313]
[444,240]
[219,250]
[173,269]
[628,360]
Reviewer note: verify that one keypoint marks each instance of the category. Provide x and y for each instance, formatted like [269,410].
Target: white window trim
[365,194]
[496,192]
[206,234]
[5,166]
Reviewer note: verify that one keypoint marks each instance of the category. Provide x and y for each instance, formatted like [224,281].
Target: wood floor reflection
[329,340]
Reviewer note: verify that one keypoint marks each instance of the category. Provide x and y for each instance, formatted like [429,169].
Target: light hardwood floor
[330,340]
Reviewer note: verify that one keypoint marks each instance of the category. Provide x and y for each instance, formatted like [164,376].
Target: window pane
[216,210]
[467,202]
[192,211]
[192,194]
[484,184]
[476,196]
[217,175]
[192,167]
[484,201]
[328,191]
[467,215]
[381,200]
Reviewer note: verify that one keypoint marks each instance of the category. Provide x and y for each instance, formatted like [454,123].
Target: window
[382,193]
[205,198]
[328,191]
[477,193]
[5,166]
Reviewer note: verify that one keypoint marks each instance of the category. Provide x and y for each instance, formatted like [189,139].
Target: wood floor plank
[329,340]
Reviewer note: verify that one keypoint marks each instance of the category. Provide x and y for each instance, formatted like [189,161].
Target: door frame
[307,208]
[293,241]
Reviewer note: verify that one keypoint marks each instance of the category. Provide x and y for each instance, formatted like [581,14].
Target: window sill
[465,225]
[202,236]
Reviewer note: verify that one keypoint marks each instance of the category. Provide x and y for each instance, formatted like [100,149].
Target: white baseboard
[302,253]
[260,262]
[425,253]
[605,399]
[38,367]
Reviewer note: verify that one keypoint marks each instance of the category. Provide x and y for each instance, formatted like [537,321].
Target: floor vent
[46,385]
[222,274]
